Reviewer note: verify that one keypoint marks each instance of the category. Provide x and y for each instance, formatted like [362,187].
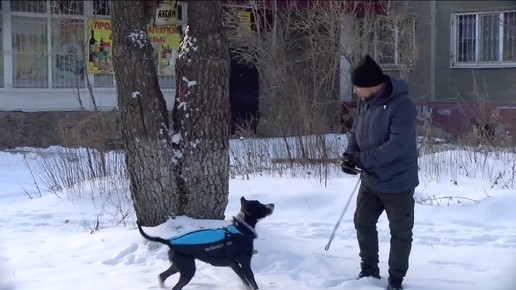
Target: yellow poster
[164,39]
[100,57]
[244,23]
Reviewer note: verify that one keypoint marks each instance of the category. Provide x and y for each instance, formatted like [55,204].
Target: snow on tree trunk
[147,143]
[201,112]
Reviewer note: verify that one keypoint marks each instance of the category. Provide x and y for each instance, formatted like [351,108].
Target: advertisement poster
[100,59]
[244,23]
[164,39]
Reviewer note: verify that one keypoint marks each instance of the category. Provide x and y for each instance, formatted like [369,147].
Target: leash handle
[341,216]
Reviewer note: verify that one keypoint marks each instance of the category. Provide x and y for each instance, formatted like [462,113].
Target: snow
[187,43]
[176,138]
[139,37]
[136,94]
[76,239]
[189,83]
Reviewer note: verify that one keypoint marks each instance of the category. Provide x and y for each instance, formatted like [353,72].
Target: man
[382,143]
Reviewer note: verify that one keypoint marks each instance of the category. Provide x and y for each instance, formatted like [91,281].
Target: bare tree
[145,121]
[201,113]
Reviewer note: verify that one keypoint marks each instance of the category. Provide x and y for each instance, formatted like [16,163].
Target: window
[390,43]
[68,62]
[37,6]
[484,39]
[101,7]
[67,7]
[30,52]
[42,59]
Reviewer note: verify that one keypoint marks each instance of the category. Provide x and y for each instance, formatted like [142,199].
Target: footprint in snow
[121,257]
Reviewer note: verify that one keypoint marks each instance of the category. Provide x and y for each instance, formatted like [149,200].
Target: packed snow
[76,239]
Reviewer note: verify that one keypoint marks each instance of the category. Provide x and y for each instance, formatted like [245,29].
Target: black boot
[369,272]
[394,284]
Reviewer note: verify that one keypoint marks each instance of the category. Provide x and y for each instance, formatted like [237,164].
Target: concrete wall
[70,129]
[49,118]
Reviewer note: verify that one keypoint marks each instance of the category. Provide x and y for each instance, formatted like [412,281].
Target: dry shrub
[75,172]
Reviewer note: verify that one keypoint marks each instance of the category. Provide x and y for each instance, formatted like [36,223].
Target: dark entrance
[244,96]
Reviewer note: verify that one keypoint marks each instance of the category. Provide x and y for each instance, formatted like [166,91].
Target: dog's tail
[154,239]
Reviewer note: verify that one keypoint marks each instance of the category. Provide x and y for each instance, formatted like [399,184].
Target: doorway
[244,96]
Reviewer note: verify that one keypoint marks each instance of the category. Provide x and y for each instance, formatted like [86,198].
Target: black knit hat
[367,73]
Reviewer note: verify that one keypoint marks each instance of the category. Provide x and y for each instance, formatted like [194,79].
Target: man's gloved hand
[348,163]
[353,159]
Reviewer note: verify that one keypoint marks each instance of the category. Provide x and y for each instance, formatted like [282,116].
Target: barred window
[30,52]
[37,6]
[101,7]
[486,38]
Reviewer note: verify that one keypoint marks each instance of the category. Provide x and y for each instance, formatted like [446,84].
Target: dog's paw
[161,282]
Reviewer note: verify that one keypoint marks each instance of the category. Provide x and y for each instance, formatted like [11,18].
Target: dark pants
[400,213]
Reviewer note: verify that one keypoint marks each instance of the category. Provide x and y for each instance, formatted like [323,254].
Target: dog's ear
[243,201]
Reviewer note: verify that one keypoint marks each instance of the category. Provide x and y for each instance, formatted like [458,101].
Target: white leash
[342,215]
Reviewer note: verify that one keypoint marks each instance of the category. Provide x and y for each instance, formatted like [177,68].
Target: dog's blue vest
[211,245]
[206,236]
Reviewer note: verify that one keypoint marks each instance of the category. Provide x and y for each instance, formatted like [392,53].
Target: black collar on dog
[244,227]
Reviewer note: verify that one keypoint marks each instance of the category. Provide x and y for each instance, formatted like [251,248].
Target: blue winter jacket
[384,132]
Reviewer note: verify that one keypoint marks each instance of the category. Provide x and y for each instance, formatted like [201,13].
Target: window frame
[454,38]
[377,47]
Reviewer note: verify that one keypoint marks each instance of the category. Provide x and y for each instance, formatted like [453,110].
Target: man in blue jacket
[382,143]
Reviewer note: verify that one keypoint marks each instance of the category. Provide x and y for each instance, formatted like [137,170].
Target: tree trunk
[201,112]
[147,143]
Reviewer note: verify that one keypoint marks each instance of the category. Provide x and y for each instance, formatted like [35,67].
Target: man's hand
[348,163]
[353,160]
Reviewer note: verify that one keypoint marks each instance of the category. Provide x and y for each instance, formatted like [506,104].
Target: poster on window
[244,23]
[164,39]
[100,57]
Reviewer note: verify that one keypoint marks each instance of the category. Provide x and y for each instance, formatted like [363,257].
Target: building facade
[465,67]
[46,44]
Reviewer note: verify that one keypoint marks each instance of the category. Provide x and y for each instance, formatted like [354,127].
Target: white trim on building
[22,95]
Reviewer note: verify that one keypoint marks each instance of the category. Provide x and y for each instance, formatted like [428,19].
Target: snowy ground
[47,243]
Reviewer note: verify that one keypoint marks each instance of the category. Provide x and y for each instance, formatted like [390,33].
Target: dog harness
[216,242]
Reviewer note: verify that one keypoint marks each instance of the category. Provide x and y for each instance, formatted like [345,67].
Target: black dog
[230,246]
